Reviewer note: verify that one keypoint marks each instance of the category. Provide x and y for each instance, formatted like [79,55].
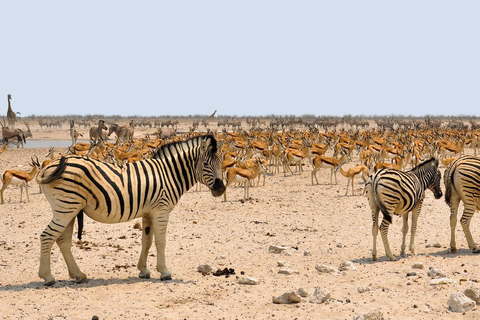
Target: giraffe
[212,115]
[11,116]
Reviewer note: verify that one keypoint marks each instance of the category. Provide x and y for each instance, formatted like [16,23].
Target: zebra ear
[204,146]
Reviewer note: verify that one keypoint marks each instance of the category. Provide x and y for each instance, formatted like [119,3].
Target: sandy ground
[318,223]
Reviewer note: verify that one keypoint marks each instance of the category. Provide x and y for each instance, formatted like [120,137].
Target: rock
[363,289]
[204,268]
[371,315]
[459,302]
[320,295]
[288,271]
[347,265]
[325,269]
[276,249]
[417,265]
[287,297]
[441,281]
[437,245]
[436,273]
[473,293]
[302,292]
[248,280]
[283,263]
[307,253]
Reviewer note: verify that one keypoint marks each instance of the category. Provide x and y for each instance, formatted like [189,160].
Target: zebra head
[209,166]
[434,183]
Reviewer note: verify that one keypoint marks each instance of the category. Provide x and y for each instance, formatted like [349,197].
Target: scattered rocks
[325,269]
[371,315]
[288,271]
[320,295]
[436,273]
[204,269]
[302,292]
[417,265]
[459,302]
[441,281]
[473,293]
[363,289]
[276,249]
[347,265]
[248,280]
[287,298]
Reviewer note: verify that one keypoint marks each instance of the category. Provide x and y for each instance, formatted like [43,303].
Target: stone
[473,293]
[320,295]
[325,269]
[347,265]
[204,268]
[363,289]
[436,273]
[417,265]
[459,302]
[287,298]
[440,281]
[371,315]
[248,280]
[288,271]
[302,292]
[276,249]
[283,263]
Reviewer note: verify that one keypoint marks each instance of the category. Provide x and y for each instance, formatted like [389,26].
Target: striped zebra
[398,192]
[462,183]
[111,193]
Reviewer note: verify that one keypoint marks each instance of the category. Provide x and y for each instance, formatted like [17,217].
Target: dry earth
[318,223]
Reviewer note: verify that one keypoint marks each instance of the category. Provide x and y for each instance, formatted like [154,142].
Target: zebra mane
[171,149]
[425,164]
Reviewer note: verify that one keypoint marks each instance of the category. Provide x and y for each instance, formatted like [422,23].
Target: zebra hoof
[144,274]
[476,250]
[166,278]
[49,283]
[453,250]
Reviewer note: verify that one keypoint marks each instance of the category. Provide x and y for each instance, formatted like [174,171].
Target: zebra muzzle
[218,188]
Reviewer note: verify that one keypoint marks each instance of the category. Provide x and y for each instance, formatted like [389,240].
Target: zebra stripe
[112,193]
[462,183]
[397,192]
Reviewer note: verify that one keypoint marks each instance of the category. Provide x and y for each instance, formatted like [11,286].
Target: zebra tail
[62,164]
[448,175]
[80,224]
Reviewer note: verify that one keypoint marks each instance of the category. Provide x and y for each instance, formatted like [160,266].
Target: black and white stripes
[397,192]
[111,193]
[462,183]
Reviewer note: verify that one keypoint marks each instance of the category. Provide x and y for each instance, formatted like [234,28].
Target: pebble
[276,249]
[204,268]
[347,265]
[473,293]
[287,298]
[325,269]
[363,289]
[302,292]
[320,295]
[288,271]
[459,302]
[436,273]
[441,281]
[417,265]
[371,315]
[283,263]
[248,280]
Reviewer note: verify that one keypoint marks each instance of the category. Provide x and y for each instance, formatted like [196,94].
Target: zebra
[111,193]
[462,183]
[398,192]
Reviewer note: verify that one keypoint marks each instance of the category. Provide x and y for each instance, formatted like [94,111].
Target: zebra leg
[159,226]
[415,215]
[64,242]
[48,237]
[454,202]
[375,210]
[384,232]
[469,210]
[404,233]
[147,239]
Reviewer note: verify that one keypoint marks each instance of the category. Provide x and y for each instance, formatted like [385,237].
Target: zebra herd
[151,188]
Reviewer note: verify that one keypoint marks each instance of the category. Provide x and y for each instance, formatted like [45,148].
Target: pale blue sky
[152,58]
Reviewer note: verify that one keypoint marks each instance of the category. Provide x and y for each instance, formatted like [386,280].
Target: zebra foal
[462,183]
[397,192]
[110,193]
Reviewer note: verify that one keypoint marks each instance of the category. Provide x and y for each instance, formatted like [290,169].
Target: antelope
[398,165]
[327,162]
[20,178]
[351,173]
[4,147]
[244,176]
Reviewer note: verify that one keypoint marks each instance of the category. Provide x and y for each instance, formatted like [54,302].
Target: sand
[317,223]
